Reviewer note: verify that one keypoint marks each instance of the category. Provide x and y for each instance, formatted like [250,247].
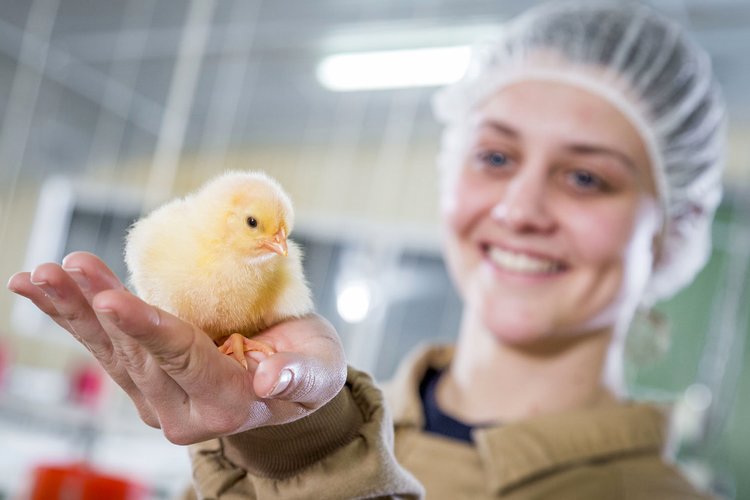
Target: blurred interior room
[110,108]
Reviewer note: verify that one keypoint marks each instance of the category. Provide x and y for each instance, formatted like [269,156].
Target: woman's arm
[343,450]
[180,383]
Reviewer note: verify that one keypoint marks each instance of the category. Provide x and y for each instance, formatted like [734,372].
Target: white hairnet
[646,67]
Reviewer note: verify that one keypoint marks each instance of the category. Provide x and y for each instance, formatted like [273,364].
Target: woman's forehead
[556,110]
[548,102]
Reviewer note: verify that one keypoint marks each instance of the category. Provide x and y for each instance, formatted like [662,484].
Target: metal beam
[82,79]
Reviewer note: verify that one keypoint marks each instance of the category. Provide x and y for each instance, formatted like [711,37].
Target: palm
[172,371]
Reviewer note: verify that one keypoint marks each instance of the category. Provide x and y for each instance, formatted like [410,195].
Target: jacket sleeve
[343,450]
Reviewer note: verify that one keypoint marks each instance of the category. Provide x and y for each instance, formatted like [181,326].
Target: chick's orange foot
[237,345]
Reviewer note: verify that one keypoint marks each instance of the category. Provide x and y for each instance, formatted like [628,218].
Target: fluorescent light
[353,302]
[393,68]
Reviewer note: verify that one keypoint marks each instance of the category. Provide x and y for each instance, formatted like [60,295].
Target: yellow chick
[220,259]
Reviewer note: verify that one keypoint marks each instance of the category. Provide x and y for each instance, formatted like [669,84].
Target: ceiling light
[353,302]
[393,68]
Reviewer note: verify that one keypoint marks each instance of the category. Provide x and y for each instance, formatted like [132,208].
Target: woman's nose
[524,206]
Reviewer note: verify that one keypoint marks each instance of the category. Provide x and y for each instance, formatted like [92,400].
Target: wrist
[279,451]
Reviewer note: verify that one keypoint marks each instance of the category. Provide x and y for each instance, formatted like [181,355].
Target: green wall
[725,448]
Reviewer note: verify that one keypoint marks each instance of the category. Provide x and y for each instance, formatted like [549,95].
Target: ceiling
[108,69]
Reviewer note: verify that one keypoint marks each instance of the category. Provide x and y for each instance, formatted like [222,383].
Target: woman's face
[552,218]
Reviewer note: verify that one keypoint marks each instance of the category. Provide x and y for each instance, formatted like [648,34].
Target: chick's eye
[252,222]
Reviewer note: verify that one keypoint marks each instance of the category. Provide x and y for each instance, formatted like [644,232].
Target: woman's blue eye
[586,180]
[494,159]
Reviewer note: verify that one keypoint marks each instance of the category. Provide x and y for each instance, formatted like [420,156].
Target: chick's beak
[277,244]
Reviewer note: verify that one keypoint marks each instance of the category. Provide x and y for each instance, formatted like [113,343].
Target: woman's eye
[494,159]
[586,181]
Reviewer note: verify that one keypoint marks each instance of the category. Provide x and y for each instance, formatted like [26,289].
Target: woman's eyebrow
[589,149]
[499,127]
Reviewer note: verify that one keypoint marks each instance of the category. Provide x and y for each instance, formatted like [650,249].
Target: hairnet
[645,66]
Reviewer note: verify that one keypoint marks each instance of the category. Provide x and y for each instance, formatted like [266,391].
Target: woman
[580,171]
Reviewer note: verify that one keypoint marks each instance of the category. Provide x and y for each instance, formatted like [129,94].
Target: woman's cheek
[455,205]
[600,233]
[613,245]
[466,203]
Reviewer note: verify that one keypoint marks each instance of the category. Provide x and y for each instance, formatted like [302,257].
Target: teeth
[522,263]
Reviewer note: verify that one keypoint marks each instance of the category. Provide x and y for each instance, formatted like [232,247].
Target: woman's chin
[530,331]
[514,331]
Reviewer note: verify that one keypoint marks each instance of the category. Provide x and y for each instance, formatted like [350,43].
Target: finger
[91,274]
[61,295]
[167,400]
[177,348]
[94,276]
[20,284]
[86,270]
[165,337]
[297,378]
[310,373]
[72,310]
[215,395]
[43,287]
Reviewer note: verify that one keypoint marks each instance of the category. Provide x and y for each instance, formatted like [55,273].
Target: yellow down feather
[199,257]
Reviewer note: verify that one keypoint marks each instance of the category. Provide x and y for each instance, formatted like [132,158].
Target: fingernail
[79,277]
[285,378]
[48,290]
[109,313]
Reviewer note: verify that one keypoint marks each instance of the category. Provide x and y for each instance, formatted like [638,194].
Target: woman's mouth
[521,262]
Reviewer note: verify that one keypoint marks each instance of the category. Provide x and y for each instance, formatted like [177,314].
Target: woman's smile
[521,262]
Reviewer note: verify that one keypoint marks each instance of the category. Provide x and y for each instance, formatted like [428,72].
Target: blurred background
[108,108]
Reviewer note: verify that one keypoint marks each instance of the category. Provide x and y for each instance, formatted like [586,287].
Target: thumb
[298,378]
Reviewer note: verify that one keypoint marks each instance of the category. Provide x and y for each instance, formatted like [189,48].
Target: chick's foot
[237,345]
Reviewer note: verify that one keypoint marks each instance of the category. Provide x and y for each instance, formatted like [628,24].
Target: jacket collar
[402,392]
[514,453]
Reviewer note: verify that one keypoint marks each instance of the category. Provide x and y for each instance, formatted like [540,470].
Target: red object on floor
[81,482]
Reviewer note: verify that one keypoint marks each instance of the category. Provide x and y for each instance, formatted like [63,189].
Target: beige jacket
[346,450]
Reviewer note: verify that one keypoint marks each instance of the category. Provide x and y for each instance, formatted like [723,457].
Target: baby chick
[220,259]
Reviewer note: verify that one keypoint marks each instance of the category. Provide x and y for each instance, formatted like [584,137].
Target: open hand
[173,372]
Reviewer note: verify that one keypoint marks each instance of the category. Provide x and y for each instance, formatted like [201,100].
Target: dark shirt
[435,420]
